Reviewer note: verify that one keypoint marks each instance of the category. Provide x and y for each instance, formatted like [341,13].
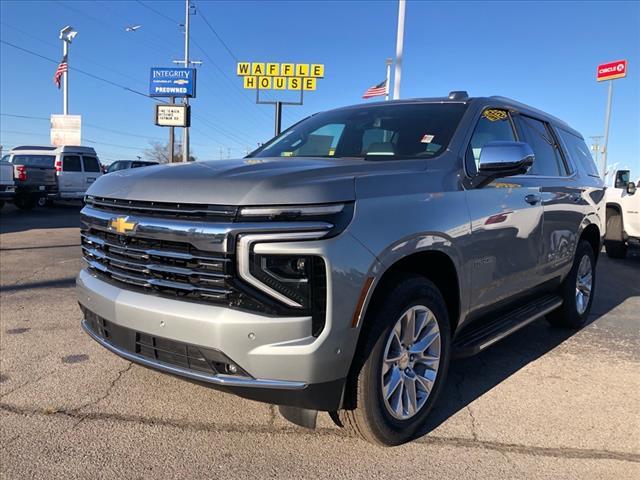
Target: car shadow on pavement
[470,378]
[62,215]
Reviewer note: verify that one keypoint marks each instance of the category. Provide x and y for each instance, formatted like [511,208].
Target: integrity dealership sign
[172,82]
[610,71]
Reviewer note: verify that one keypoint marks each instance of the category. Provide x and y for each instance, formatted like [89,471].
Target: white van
[76,167]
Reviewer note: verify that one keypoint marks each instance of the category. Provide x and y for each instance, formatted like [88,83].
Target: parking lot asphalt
[544,403]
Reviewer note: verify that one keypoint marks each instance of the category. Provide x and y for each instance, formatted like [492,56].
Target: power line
[96,77]
[218,36]
[157,12]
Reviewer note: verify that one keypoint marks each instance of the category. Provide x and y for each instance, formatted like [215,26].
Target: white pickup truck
[623,215]
[7,185]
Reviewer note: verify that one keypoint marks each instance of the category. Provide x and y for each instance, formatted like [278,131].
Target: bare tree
[159,152]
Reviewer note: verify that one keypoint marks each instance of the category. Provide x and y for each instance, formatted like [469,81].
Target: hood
[249,181]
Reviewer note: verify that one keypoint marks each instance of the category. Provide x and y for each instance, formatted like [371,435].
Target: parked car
[623,216]
[125,164]
[34,175]
[342,265]
[7,184]
[75,167]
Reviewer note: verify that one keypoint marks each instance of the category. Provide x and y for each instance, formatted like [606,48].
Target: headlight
[289,275]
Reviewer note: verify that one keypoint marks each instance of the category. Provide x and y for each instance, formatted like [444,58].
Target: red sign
[609,71]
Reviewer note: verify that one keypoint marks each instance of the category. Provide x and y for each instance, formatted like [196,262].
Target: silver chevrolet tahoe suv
[342,265]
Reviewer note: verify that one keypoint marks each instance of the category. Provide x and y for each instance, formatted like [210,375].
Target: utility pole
[187,63]
[399,47]
[595,147]
[67,34]
[185,131]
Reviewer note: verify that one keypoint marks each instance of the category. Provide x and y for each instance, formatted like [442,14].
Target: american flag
[62,68]
[376,91]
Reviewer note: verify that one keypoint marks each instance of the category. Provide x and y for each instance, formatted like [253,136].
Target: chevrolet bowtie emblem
[120,225]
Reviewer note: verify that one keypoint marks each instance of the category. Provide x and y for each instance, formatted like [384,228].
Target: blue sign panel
[172,82]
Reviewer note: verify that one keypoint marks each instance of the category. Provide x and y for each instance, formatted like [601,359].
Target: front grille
[170,268]
[160,349]
[164,209]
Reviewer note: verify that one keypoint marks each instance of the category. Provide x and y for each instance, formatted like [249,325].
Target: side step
[480,335]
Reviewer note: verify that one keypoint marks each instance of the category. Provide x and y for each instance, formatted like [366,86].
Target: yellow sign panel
[280,76]
[264,83]
[251,82]
[257,69]
[295,83]
[309,83]
[288,69]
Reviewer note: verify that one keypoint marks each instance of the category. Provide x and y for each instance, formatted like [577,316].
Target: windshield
[381,132]
[118,165]
[46,161]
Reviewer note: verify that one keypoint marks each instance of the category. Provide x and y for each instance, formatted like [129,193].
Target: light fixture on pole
[67,34]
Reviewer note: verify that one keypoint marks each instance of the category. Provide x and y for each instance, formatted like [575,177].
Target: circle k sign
[610,71]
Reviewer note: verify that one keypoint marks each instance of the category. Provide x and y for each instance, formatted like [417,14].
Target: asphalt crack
[500,447]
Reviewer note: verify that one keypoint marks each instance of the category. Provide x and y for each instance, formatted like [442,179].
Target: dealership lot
[545,403]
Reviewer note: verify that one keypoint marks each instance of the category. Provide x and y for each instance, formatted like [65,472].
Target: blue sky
[541,53]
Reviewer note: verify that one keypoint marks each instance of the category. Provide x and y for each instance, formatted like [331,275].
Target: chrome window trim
[245,244]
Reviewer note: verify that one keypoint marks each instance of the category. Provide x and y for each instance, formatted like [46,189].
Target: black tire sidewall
[409,293]
[568,315]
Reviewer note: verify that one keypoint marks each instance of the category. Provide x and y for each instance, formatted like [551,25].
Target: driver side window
[494,125]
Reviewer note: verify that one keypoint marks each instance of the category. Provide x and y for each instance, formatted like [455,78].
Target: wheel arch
[435,265]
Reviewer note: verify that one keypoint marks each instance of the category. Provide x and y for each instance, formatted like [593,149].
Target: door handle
[532,199]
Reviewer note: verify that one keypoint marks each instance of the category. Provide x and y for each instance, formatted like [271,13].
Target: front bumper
[285,363]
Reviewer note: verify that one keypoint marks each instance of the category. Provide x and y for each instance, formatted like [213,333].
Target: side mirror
[504,159]
[631,188]
[622,178]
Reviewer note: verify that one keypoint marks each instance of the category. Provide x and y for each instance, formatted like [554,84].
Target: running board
[480,335]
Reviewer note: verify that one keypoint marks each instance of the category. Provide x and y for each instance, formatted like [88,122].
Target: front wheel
[400,365]
[577,290]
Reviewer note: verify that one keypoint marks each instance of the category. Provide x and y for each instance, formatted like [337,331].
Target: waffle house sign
[280,76]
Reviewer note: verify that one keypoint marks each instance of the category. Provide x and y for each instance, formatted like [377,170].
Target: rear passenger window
[91,164]
[494,125]
[548,161]
[579,153]
[71,163]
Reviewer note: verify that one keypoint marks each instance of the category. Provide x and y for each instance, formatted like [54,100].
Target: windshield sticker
[494,115]
[427,138]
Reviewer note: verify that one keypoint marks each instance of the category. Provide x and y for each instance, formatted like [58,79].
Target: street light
[67,34]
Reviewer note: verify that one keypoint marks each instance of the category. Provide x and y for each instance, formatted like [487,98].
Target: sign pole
[185,134]
[605,148]
[399,47]
[278,118]
[171,136]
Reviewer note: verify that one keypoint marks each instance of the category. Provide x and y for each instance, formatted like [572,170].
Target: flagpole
[65,89]
[399,46]
[388,84]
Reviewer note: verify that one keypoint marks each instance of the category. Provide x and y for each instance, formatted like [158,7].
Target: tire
[25,202]
[41,202]
[613,243]
[574,312]
[367,413]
